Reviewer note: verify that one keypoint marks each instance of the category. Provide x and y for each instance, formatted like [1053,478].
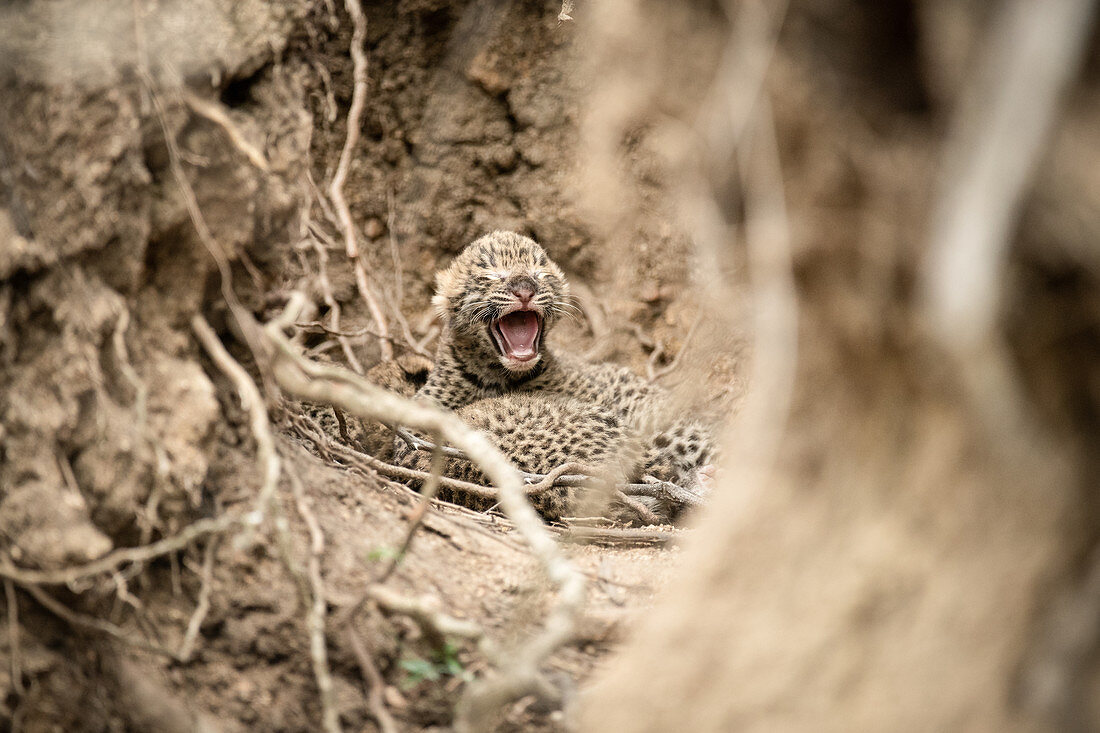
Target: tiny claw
[705,477]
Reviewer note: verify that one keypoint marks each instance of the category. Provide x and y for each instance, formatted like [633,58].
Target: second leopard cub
[498,301]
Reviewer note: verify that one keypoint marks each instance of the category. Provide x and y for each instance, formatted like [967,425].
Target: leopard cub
[498,301]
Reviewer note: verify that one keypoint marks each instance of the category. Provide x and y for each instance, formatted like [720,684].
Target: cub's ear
[442,306]
[444,287]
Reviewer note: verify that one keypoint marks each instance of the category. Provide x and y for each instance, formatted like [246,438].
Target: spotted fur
[530,429]
[560,407]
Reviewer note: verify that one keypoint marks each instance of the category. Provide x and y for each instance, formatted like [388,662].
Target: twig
[363,285]
[375,684]
[123,594]
[417,443]
[431,487]
[216,114]
[58,609]
[315,618]
[333,307]
[15,663]
[474,520]
[336,187]
[122,356]
[432,332]
[319,327]
[253,402]
[638,508]
[143,553]
[187,647]
[612,536]
[592,309]
[398,277]
[433,622]
[342,425]
[666,491]
[371,464]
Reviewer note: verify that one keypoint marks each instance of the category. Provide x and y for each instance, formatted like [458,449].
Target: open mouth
[517,335]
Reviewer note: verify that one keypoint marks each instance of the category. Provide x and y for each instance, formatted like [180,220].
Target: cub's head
[500,297]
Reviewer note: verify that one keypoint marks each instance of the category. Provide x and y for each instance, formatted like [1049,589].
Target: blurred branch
[737,125]
[774,298]
[996,139]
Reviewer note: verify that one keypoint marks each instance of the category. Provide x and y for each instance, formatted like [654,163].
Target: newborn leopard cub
[498,301]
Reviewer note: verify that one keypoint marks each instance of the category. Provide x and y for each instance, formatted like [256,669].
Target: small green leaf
[420,669]
[383,552]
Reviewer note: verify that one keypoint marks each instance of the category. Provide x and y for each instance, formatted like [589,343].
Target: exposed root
[126,367]
[15,663]
[643,513]
[375,684]
[253,402]
[203,605]
[336,187]
[127,555]
[616,536]
[333,307]
[363,284]
[216,114]
[81,620]
[333,330]
[315,617]
[431,487]
[398,279]
[435,624]
[194,212]
[266,502]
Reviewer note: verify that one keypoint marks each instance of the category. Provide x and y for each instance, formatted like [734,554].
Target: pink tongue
[519,329]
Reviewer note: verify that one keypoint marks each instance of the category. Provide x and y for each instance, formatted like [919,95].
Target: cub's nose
[523,288]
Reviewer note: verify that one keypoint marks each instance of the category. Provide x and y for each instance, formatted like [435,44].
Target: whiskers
[493,306]
[479,311]
[568,308]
